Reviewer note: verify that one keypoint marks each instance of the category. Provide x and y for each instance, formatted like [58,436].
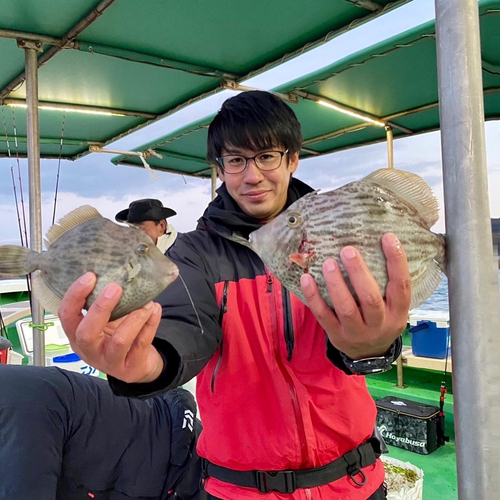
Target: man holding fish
[284,410]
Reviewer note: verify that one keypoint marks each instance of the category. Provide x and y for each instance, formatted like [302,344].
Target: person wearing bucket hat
[151,216]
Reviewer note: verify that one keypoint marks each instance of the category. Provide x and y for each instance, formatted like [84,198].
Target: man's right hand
[122,348]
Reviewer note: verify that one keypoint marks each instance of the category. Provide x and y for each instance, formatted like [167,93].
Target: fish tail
[16,260]
[441,256]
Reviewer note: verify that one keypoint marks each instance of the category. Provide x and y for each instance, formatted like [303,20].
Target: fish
[84,241]
[317,226]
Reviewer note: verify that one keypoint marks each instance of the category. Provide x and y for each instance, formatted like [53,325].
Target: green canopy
[137,61]
[394,82]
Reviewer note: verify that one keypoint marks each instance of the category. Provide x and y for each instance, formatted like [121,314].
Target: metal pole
[35,202]
[473,281]
[399,364]
[214,182]
[390,146]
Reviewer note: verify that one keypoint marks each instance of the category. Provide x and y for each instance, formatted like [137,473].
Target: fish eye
[293,220]
[142,249]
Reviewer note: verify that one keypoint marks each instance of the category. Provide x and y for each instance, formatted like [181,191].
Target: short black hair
[254,120]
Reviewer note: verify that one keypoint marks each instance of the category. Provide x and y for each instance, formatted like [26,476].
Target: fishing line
[192,303]
[58,169]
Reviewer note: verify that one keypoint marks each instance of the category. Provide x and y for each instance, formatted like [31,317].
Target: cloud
[189,203]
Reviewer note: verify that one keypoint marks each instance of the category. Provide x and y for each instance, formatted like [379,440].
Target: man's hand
[370,329]
[122,348]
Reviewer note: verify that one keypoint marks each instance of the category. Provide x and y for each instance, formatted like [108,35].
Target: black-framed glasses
[265,161]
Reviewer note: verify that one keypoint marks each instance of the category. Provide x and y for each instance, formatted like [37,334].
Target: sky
[96,181]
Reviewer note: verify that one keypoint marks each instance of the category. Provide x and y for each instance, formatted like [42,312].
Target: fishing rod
[20,181]
[12,176]
[56,190]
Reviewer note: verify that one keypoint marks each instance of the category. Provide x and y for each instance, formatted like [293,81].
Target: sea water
[439,299]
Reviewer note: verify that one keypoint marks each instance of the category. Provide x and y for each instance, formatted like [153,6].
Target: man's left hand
[369,329]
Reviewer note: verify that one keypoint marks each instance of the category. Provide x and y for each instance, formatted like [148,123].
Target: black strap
[287,481]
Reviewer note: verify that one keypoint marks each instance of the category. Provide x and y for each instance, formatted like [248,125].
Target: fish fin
[441,256]
[134,271]
[301,259]
[411,188]
[69,221]
[426,284]
[49,300]
[16,260]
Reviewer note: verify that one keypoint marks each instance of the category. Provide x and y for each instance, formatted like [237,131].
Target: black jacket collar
[225,217]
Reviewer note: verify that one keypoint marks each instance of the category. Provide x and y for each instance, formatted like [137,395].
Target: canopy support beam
[472,272]
[198,175]
[119,53]
[343,108]
[387,119]
[180,156]
[237,87]
[35,199]
[390,146]
[310,151]
[80,108]
[144,58]
[57,140]
[366,4]
[45,157]
[32,37]
[84,23]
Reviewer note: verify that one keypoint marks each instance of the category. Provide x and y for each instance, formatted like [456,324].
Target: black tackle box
[410,425]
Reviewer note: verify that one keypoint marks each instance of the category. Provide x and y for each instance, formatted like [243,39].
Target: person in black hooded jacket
[275,385]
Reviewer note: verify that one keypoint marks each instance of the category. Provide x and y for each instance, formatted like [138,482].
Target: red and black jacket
[273,393]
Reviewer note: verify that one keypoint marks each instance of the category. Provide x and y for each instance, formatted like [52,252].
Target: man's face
[260,194]
[152,228]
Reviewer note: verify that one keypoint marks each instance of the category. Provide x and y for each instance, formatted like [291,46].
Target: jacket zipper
[287,310]
[223,310]
[291,387]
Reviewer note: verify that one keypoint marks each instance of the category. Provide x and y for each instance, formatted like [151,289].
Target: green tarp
[395,80]
[125,58]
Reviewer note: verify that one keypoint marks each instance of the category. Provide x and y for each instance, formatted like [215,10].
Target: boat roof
[393,82]
[135,65]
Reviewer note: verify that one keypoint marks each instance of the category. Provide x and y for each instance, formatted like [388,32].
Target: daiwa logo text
[386,434]
[188,420]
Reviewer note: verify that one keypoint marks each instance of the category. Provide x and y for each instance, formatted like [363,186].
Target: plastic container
[74,363]
[430,334]
[14,358]
[403,492]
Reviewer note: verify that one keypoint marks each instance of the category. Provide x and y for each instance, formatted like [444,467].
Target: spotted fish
[85,241]
[317,226]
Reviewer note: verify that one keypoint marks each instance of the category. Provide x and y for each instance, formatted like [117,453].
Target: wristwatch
[377,364]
